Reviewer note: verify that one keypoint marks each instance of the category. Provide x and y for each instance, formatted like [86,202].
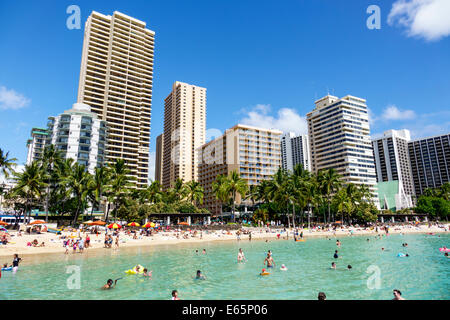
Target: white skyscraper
[295,150]
[339,136]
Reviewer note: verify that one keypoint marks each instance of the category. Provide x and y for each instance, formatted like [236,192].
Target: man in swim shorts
[269,260]
[397,295]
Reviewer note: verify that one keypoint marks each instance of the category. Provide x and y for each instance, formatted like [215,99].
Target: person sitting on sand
[35,243]
[42,244]
[200,276]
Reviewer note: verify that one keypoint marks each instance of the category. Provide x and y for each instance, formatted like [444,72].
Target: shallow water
[423,275]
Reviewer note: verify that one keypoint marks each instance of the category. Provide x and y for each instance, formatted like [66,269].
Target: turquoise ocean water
[423,275]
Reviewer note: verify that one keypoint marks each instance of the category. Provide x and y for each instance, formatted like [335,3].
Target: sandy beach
[54,243]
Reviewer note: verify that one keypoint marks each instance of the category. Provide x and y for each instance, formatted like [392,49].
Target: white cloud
[428,19]
[394,113]
[286,120]
[10,99]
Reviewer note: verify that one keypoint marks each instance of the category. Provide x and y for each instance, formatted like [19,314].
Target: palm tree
[218,188]
[51,157]
[98,186]
[6,164]
[154,192]
[329,183]
[234,185]
[120,181]
[29,185]
[78,182]
[340,200]
[194,192]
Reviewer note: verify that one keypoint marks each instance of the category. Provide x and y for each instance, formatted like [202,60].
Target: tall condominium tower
[80,135]
[393,169]
[36,144]
[430,162]
[184,132]
[294,151]
[253,152]
[339,136]
[116,80]
[158,157]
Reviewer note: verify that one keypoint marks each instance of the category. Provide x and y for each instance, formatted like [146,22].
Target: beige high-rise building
[184,132]
[116,80]
[158,157]
[255,153]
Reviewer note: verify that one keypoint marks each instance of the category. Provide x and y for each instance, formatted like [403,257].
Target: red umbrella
[38,222]
[114,226]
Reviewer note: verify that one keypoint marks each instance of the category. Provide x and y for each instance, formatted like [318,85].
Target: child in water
[147,274]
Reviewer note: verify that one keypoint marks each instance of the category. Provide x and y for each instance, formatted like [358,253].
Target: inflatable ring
[264,273]
[133,271]
[444,249]
[7,269]
[300,240]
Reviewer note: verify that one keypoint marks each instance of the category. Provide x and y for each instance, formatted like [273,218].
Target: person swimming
[333,265]
[200,276]
[147,274]
[264,272]
[335,254]
[110,284]
[175,295]
[283,268]
[349,267]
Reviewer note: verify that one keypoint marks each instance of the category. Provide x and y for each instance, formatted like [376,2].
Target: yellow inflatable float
[136,270]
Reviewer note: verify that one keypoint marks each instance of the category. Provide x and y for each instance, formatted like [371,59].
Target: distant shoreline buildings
[111,120]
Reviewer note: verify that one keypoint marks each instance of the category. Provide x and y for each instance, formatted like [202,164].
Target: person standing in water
[269,260]
[241,256]
[15,263]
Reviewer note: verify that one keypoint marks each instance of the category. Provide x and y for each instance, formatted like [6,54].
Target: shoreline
[55,244]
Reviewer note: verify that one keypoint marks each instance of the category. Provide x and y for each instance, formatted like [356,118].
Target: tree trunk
[289,220]
[107,211]
[46,203]
[329,213]
[234,206]
[293,215]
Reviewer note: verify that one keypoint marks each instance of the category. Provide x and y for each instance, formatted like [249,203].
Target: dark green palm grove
[62,187]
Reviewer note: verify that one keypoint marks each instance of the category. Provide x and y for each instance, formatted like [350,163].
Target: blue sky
[262,62]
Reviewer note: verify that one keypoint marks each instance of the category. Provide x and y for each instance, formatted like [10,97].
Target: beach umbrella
[114,226]
[3,223]
[149,225]
[38,222]
[134,224]
[88,222]
[97,223]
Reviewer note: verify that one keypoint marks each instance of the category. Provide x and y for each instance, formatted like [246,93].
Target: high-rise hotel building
[80,135]
[339,136]
[393,169]
[158,157]
[294,151]
[116,80]
[430,162]
[255,153]
[184,132]
[36,144]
